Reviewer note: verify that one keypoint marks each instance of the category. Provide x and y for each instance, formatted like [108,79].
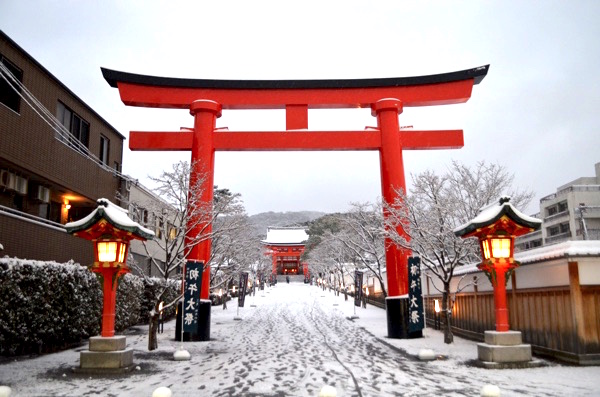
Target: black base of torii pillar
[202,333]
[396,309]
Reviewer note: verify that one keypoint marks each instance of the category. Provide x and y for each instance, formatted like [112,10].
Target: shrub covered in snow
[129,294]
[152,289]
[46,305]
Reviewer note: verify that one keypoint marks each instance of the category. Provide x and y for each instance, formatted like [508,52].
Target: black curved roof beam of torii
[168,92]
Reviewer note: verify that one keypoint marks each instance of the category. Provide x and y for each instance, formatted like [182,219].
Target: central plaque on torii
[386,97]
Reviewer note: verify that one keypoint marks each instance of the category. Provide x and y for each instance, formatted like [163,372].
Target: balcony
[557,238]
[558,215]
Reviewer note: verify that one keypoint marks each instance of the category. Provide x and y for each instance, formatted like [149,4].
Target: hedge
[47,306]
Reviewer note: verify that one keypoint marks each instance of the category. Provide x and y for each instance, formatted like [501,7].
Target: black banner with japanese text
[416,322]
[358,283]
[191,295]
[243,285]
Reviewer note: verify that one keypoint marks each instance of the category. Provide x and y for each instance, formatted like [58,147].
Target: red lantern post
[496,227]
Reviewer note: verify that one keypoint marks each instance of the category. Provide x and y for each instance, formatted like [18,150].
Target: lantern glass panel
[486,249]
[107,251]
[501,247]
[122,249]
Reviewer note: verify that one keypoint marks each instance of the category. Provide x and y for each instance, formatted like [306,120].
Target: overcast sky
[537,112]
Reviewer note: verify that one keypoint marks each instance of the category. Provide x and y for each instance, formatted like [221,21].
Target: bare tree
[234,245]
[362,233]
[179,211]
[437,204]
[355,238]
[330,256]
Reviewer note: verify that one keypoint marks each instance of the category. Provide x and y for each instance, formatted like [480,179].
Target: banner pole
[182,300]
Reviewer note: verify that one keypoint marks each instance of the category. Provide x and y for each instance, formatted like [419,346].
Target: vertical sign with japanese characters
[416,321]
[191,295]
[243,285]
[358,281]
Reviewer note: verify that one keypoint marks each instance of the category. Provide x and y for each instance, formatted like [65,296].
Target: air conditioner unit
[43,194]
[21,185]
[7,179]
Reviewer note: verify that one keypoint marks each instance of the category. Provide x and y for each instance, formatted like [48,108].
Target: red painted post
[392,180]
[109,292]
[500,298]
[203,160]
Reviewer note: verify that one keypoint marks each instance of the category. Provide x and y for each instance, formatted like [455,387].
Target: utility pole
[582,209]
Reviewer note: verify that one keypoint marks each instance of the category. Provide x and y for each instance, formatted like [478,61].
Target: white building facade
[572,213]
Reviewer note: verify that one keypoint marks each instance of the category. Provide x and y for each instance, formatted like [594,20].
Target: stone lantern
[496,227]
[111,230]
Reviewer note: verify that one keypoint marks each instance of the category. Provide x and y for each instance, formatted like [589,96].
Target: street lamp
[436,319]
[161,326]
[496,227]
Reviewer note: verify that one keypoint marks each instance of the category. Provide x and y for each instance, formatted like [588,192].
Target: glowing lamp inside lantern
[111,251]
[496,247]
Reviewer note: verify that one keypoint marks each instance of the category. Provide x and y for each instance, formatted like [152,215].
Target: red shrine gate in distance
[286,245]
[386,98]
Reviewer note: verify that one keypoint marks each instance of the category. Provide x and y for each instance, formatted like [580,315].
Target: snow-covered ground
[295,340]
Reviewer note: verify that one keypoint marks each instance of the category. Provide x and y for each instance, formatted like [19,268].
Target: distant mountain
[282,219]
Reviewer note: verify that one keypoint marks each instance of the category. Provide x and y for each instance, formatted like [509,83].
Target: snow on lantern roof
[114,215]
[285,236]
[493,212]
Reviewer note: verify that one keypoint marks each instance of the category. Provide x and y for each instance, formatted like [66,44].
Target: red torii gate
[385,97]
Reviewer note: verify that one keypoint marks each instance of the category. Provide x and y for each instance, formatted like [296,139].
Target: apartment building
[148,209]
[49,174]
[572,213]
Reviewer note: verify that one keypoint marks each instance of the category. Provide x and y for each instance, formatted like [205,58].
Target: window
[562,207]
[8,95]
[78,127]
[104,147]
[562,228]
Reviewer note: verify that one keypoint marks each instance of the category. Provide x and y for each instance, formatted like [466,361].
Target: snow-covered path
[293,340]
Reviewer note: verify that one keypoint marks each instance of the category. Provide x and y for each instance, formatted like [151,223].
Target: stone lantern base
[106,355]
[505,350]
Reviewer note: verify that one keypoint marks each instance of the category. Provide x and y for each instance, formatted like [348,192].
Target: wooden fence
[557,321]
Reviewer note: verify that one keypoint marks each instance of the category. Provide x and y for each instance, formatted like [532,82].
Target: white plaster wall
[484,284]
[589,271]
[468,279]
[546,274]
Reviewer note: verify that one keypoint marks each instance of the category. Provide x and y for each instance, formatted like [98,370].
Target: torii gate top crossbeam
[165,92]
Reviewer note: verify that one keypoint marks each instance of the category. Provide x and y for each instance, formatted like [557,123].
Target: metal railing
[31,218]
[574,188]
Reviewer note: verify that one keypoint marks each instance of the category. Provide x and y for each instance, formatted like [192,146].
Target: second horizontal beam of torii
[296,140]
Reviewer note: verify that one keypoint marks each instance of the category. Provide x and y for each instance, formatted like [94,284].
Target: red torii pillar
[386,97]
